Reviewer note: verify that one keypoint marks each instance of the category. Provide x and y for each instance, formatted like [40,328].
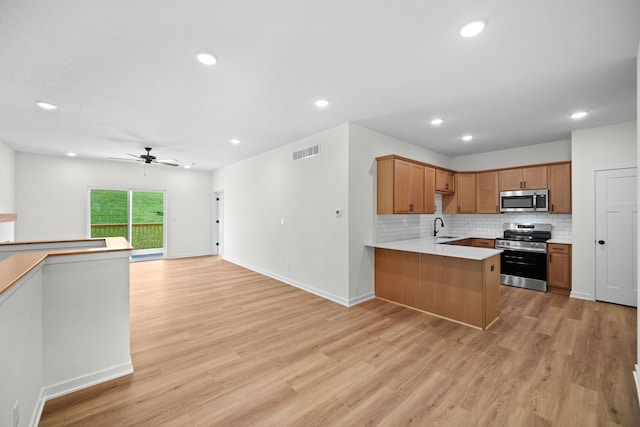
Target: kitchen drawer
[558,248]
[483,243]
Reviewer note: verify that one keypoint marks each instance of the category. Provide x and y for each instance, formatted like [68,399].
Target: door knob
[601,242]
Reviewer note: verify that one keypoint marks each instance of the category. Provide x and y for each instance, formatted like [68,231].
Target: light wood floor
[217,345]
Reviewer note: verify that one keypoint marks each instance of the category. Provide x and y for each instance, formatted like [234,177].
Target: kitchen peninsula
[458,283]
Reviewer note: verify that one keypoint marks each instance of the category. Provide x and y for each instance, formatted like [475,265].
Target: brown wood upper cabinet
[487,194]
[523,178]
[466,193]
[400,187]
[445,181]
[429,190]
[560,188]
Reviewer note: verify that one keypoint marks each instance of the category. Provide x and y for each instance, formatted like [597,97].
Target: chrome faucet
[435,232]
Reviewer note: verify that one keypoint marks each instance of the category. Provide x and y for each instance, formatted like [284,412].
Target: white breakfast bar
[458,283]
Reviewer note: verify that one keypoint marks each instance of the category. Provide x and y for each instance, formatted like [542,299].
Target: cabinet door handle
[552,207]
[496,208]
[411,207]
[550,258]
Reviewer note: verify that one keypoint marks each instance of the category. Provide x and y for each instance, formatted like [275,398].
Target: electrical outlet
[16,414]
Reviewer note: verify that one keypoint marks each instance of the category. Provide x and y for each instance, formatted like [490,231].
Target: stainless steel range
[524,260]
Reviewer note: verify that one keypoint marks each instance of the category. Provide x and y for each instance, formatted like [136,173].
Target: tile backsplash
[402,227]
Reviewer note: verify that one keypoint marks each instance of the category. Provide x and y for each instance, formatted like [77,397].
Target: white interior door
[218,234]
[616,236]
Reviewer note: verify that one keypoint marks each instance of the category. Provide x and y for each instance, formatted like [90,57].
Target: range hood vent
[306,152]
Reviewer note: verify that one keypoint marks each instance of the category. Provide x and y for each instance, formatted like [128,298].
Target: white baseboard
[362,298]
[193,255]
[37,411]
[582,295]
[319,292]
[79,383]
[636,377]
[75,384]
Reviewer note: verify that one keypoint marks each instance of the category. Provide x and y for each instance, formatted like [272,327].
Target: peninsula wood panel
[491,270]
[453,288]
[397,276]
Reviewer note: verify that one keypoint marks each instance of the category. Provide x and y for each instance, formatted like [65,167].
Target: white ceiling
[124,73]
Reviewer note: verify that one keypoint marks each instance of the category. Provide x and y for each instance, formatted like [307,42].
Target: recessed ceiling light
[437,122]
[187,167]
[473,28]
[579,115]
[467,138]
[235,141]
[207,58]
[71,154]
[46,105]
[322,103]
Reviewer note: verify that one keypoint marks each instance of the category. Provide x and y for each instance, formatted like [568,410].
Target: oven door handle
[534,250]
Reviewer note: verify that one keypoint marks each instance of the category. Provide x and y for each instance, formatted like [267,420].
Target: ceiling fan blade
[122,158]
[168,164]
[133,155]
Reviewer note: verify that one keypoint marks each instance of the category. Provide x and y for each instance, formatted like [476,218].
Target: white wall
[52,198]
[310,249]
[603,147]
[7,179]
[364,146]
[314,250]
[549,152]
[637,370]
[21,335]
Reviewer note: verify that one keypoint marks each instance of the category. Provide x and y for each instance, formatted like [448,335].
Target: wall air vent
[306,152]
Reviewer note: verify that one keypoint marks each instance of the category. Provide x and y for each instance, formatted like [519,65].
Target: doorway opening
[138,216]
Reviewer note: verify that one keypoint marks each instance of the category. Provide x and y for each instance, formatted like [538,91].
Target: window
[138,216]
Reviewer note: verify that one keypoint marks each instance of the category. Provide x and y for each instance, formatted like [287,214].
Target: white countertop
[562,241]
[431,246]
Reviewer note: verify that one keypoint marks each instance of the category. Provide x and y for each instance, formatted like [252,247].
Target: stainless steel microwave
[524,201]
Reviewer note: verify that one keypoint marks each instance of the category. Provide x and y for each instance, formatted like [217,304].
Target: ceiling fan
[148,158]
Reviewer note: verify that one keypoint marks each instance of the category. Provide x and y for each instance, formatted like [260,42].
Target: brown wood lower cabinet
[463,290]
[475,242]
[559,268]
